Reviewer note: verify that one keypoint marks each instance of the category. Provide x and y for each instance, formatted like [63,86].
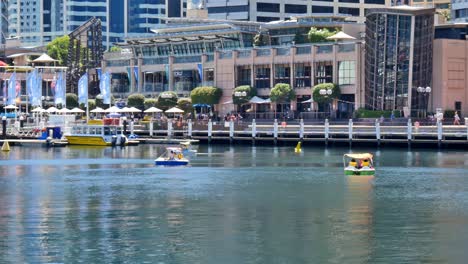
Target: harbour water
[234,204]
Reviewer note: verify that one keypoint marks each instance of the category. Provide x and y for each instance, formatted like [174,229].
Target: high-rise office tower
[3,21]
[270,10]
[37,22]
[459,10]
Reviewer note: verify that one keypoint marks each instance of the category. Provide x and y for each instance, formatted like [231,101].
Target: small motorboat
[172,157]
[358,164]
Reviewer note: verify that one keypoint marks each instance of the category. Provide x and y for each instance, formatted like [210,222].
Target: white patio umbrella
[175,110]
[63,111]
[153,110]
[38,110]
[77,110]
[113,109]
[98,110]
[125,110]
[341,36]
[52,110]
[134,109]
[258,100]
[10,107]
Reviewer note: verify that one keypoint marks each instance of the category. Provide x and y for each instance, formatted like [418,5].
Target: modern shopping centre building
[192,52]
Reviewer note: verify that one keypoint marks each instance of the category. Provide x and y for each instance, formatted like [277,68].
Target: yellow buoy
[298,148]
[5,146]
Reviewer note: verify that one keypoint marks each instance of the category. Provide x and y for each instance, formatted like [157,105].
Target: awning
[359,155]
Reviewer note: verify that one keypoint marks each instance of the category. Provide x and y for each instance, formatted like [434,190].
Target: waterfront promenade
[402,131]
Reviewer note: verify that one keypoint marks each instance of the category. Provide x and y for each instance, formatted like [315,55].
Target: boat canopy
[359,155]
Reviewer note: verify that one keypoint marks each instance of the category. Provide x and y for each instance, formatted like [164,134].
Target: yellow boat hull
[87,140]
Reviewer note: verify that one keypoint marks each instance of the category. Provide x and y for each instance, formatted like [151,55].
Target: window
[302,75]
[349,11]
[282,73]
[243,75]
[346,72]
[458,106]
[377,2]
[262,77]
[323,72]
[267,7]
[295,9]
[267,19]
[322,9]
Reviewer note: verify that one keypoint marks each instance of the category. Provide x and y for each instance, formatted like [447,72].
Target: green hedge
[364,113]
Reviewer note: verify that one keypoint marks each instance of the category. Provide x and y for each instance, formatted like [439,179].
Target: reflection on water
[234,204]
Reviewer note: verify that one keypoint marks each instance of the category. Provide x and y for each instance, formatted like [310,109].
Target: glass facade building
[398,57]
[38,22]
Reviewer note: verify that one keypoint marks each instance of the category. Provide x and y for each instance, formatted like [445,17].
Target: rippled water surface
[237,204]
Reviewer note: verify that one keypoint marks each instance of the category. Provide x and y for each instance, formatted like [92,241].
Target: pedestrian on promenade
[456,119]
[382,119]
[392,116]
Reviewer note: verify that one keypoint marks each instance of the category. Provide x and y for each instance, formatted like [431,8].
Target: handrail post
[466,124]
[189,127]
[169,128]
[301,129]
[231,130]
[439,132]
[151,128]
[409,130]
[254,129]
[327,131]
[210,130]
[350,129]
[275,130]
[377,131]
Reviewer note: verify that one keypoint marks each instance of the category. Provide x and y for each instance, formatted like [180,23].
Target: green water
[236,204]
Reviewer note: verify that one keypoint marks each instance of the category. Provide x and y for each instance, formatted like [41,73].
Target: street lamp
[425,92]
[240,94]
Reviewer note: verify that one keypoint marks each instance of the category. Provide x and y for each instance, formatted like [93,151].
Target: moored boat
[172,157]
[358,164]
[97,135]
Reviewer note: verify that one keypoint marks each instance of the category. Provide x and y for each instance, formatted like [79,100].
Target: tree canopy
[150,102]
[320,35]
[260,39]
[71,100]
[325,98]
[206,95]
[250,92]
[281,93]
[136,100]
[58,49]
[167,100]
[185,104]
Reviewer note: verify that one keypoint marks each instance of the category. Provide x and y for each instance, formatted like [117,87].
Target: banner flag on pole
[99,72]
[135,71]
[4,91]
[60,90]
[104,86]
[30,86]
[83,89]
[11,89]
[200,71]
